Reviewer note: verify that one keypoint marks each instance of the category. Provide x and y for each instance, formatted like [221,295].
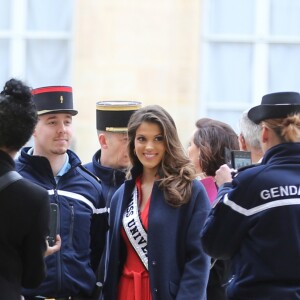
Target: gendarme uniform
[111,179]
[257,220]
[83,217]
[111,116]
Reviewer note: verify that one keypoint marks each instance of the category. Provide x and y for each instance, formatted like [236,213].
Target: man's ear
[103,141]
[265,132]
[242,143]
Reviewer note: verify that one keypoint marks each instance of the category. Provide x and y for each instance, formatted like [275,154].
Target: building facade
[205,58]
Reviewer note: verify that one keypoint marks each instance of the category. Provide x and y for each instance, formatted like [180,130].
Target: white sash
[134,229]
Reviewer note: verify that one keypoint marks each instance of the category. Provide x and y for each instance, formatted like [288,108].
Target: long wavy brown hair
[212,137]
[175,171]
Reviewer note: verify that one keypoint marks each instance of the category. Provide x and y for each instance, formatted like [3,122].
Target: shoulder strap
[8,178]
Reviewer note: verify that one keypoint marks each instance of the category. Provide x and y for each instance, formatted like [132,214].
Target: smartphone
[54,223]
[237,159]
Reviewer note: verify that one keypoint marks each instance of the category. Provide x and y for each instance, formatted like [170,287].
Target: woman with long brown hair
[156,218]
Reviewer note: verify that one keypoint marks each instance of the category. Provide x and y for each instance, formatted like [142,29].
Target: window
[250,48]
[36,41]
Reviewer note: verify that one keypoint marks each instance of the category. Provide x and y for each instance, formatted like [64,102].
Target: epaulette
[89,172]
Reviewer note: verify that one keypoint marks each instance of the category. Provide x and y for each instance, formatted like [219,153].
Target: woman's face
[149,146]
[194,153]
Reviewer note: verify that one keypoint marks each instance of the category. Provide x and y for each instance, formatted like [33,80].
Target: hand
[223,175]
[54,248]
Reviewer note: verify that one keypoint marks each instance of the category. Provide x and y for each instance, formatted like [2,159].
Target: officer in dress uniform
[111,161]
[71,272]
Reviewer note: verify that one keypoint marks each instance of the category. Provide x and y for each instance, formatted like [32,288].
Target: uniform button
[155,290]
[153,262]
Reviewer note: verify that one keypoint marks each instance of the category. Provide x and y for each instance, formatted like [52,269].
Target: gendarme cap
[114,116]
[54,99]
[275,105]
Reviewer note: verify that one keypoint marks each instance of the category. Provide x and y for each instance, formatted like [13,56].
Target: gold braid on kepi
[113,116]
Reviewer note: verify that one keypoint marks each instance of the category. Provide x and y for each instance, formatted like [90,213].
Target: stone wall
[135,50]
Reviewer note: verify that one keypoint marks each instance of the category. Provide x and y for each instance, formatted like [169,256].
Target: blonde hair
[287,129]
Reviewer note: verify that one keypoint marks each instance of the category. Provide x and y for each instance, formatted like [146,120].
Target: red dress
[134,282]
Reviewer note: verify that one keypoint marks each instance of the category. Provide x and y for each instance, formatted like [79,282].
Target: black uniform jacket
[24,217]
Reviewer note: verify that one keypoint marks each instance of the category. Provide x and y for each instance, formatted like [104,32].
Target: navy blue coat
[257,225]
[83,225]
[178,267]
[111,179]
